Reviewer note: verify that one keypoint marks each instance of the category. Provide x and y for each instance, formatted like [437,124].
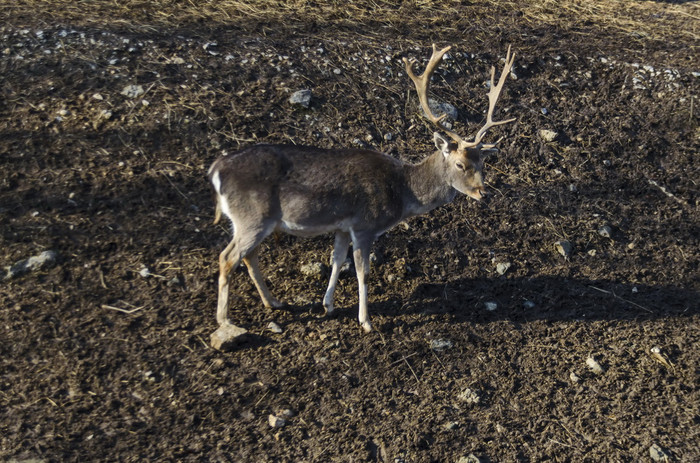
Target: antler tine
[494,93]
[422,84]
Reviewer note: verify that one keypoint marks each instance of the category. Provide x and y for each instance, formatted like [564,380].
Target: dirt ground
[104,355]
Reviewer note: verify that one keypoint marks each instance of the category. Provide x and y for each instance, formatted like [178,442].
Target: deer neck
[428,187]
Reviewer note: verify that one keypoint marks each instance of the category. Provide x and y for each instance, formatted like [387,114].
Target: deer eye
[460,165]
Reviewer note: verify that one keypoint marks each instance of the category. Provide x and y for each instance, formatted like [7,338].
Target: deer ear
[442,144]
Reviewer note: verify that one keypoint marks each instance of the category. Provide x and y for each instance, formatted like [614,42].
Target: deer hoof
[329,309]
[366,326]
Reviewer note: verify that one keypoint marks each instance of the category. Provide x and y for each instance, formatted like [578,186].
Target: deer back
[307,190]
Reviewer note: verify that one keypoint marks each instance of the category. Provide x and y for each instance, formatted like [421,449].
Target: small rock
[388,136]
[98,97]
[133,91]
[573,377]
[177,280]
[43,260]
[605,231]
[451,425]
[440,344]
[529,305]
[471,458]
[274,327]
[469,396]
[564,248]
[106,114]
[594,366]
[276,421]
[502,267]
[145,272]
[548,135]
[313,269]
[657,453]
[177,60]
[287,413]
[301,98]
[439,108]
[490,306]
[227,336]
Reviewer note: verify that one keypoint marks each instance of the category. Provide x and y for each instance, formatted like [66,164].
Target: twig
[175,187]
[410,368]
[622,299]
[402,359]
[438,359]
[111,307]
[102,279]
[668,193]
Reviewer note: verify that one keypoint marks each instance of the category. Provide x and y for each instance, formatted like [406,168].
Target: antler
[422,84]
[494,93]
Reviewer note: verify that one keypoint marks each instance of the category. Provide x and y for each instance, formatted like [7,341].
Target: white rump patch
[216,181]
[223,204]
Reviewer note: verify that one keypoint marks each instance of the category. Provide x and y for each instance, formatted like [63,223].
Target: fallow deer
[357,194]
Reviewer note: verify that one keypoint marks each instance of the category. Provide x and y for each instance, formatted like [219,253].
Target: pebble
[43,260]
[657,453]
[276,421]
[594,366]
[274,327]
[313,269]
[301,98]
[133,91]
[177,280]
[502,267]
[605,231]
[563,247]
[548,135]
[440,107]
[440,344]
[471,458]
[145,272]
[469,396]
[490,306]
[227,336]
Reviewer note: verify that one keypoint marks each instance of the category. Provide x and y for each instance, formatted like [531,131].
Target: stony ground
[490,345]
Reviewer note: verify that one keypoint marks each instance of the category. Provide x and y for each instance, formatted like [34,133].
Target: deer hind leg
[361,250]
[251,262]
[241,246]
[338,256]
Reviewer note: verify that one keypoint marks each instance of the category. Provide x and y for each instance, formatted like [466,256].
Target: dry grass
[639,19]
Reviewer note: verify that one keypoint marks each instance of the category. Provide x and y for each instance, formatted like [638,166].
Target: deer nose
[480,193]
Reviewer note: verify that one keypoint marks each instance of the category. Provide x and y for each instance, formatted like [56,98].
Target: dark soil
[115,184]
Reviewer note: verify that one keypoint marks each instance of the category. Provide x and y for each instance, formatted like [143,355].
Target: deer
[357,194]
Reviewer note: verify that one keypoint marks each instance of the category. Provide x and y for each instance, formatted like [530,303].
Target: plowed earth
[101,360]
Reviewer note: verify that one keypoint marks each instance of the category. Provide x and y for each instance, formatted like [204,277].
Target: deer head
[463,169]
